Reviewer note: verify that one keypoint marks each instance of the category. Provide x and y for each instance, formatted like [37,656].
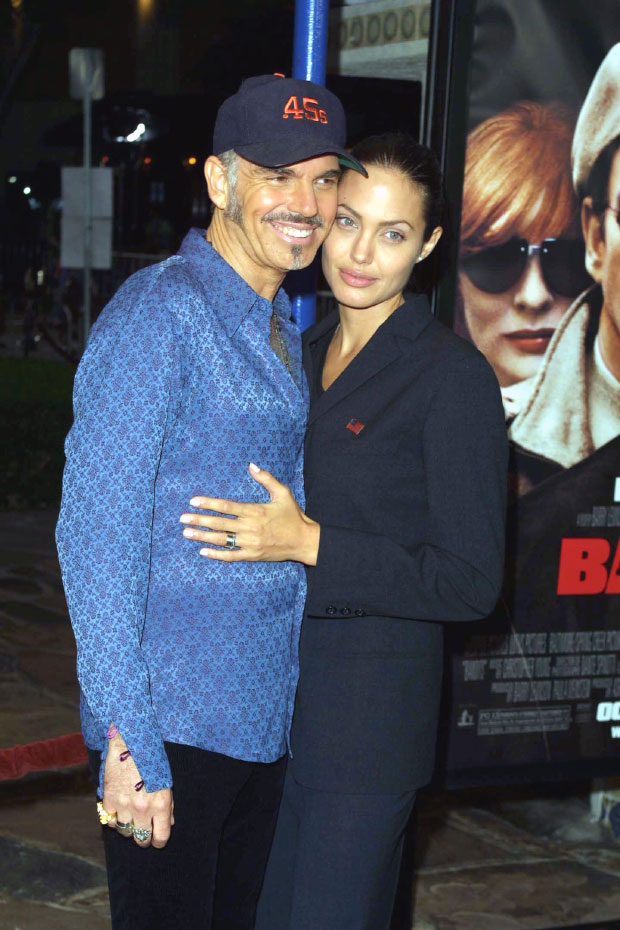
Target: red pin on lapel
[356,426]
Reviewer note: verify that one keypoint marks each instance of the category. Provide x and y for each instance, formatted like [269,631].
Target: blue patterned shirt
[178,390]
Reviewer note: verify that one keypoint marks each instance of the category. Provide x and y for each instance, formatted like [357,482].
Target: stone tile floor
[509,859]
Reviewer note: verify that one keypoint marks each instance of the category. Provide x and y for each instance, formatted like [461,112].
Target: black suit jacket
[411,507]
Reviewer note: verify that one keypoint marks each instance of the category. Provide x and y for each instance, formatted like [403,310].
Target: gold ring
[104,815]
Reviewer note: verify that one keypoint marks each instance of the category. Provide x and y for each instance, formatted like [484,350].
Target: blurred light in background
[145,8]
[137,133]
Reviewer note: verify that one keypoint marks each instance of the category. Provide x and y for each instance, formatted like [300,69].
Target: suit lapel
[379,352]
[385,347]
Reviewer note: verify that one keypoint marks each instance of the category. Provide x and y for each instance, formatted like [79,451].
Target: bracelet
[112,731]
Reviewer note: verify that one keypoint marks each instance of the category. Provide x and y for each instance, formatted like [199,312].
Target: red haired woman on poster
[521,251]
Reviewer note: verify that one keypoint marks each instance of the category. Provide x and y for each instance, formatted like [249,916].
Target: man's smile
[292,232]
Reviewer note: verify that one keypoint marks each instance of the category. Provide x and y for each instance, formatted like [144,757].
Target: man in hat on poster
[188,672]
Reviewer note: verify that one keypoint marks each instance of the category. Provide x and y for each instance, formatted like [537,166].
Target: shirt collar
[231,297]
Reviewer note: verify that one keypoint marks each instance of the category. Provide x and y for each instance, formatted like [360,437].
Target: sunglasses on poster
[497,269]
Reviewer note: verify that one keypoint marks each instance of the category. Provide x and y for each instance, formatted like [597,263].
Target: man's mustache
[276,217]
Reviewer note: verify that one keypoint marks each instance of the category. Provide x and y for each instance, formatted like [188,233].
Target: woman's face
[513,328]
[376,238]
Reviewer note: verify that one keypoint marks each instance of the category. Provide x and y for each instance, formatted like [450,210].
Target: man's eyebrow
[266,171]
[345,206]
[284,171]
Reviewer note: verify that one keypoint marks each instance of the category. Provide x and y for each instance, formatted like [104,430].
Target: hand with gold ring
[146,817]
[277,531]
[105,817]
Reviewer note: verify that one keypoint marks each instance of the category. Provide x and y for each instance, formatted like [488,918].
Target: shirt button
[360,613]
[330,611]
[345,611]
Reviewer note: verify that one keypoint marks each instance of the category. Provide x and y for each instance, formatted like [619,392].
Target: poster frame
[445,132]
[451,44]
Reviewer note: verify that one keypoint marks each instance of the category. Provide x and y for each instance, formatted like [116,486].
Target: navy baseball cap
[274,121]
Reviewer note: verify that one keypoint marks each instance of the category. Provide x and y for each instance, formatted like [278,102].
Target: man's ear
[593,234]
[217,181]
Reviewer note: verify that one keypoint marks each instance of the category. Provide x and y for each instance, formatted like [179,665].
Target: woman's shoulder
[454,347]
[451,365]
[436,336]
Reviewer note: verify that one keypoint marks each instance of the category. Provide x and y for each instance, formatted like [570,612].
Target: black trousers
[209,874]
[335,859]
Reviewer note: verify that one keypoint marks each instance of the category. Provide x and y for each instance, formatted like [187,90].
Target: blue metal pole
[310,64]
[310,40]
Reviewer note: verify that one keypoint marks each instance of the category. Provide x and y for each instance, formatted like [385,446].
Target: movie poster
[538,292]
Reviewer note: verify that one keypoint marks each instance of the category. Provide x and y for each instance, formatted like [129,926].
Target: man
[188,673]
[567,418]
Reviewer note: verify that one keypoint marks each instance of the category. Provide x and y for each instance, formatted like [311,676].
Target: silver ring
[142,834]
[124,829]
[231,541]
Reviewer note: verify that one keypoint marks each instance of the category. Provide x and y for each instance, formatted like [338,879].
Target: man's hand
[278,531]
[152,811]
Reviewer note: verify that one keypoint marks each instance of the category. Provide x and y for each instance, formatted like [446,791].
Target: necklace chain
[279,345]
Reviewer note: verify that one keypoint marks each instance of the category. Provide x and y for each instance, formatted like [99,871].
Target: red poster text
[584,567]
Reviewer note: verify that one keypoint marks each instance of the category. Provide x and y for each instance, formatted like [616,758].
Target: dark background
[169,64]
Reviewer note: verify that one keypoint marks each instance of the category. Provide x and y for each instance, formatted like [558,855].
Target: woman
[405,476]
[521,252]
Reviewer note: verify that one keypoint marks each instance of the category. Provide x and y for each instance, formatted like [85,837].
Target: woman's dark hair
[417,162]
